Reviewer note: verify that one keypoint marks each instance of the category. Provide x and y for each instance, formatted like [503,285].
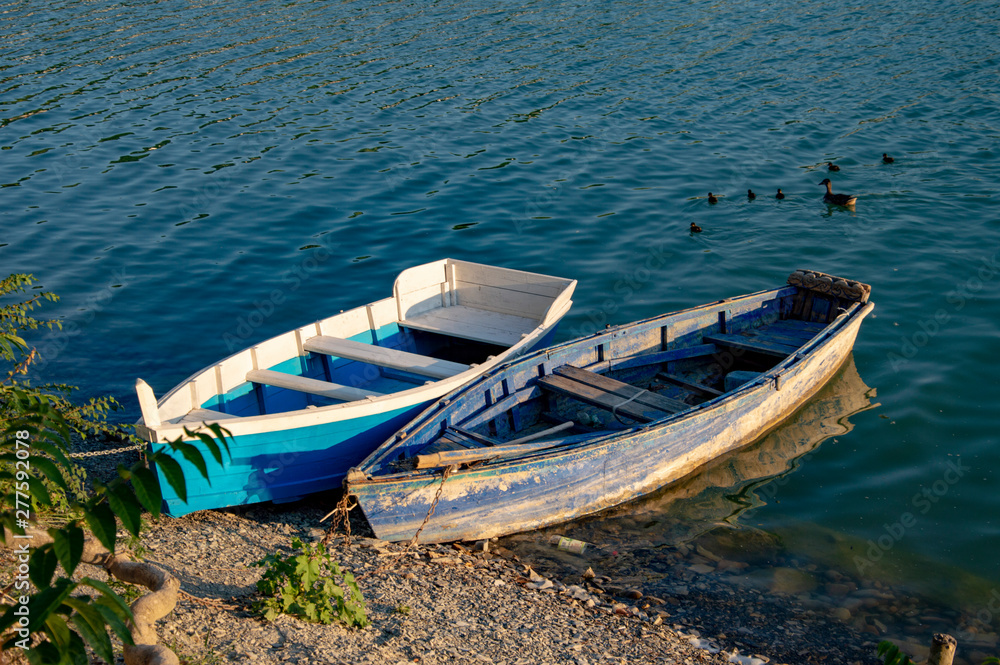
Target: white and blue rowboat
[306,406]
[600,421]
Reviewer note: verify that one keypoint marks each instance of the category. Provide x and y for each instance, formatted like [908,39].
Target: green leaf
[109,595]
[194,456]
[221,435]
[39,492]
[68,545]
[42,566]
[126,506]
[147,489]
[42,605]
[172,471]
[90,624]
[51,470]
[101,521]
[115,622]
[113,608]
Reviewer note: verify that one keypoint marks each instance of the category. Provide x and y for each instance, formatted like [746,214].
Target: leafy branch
[306,585]
[54,618]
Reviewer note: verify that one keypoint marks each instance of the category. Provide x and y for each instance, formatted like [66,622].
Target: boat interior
[668,366]
[334,370]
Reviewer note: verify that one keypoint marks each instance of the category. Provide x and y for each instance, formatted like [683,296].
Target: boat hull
[302,408]
[544,489]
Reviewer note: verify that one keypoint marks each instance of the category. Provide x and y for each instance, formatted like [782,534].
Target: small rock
[589,574]
[837,590]
[705,553]
[701,568]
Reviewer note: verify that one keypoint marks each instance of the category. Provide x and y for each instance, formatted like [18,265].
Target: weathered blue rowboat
[593,423]
[306,406]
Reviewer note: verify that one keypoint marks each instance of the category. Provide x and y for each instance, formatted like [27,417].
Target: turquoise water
[191,177]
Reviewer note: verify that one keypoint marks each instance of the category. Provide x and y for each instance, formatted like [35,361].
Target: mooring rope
[614,409]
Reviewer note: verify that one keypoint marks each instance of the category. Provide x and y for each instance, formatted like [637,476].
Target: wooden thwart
[204,416]
[384,357]
[615,396]
[478,325]
[755,344]
[306,385]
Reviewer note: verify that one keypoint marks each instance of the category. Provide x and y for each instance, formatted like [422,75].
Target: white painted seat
[384,357]
[312,386]
[472,323]
[203,416]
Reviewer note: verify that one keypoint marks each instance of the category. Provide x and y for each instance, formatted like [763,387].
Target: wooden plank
[796,333]
[770,335]
[204,416]
[505,404]
[384,357]
[498,299]
[599,398]
[658,402]
[508,278]
[545,432]
[690,385]
[472,436]
[813,326]
[444,458]
[656,358]
[751,344]
[475,324]
[306,385]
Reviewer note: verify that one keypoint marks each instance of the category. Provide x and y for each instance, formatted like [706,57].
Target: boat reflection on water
[717,494]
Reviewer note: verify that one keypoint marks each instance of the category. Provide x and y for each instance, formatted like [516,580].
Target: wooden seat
[384,357]
[799,329]
[203,416]
[758,344]
[306,385]
[690,386]
[475,324]
[607,393]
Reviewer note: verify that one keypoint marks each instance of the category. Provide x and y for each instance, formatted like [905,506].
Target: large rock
[791,581]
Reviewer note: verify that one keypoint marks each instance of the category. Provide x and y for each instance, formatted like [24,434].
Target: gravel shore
[466,603]
[459,603]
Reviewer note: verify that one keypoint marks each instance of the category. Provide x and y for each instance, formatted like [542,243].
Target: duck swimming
[830,166]
[886,159]
[712,198]
[836,199]
[750,195]
[695,228]
[779,195]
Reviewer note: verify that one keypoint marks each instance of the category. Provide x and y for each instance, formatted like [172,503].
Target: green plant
[992,661]
[891,654]
[53,617]
[403,609]
[311,586]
